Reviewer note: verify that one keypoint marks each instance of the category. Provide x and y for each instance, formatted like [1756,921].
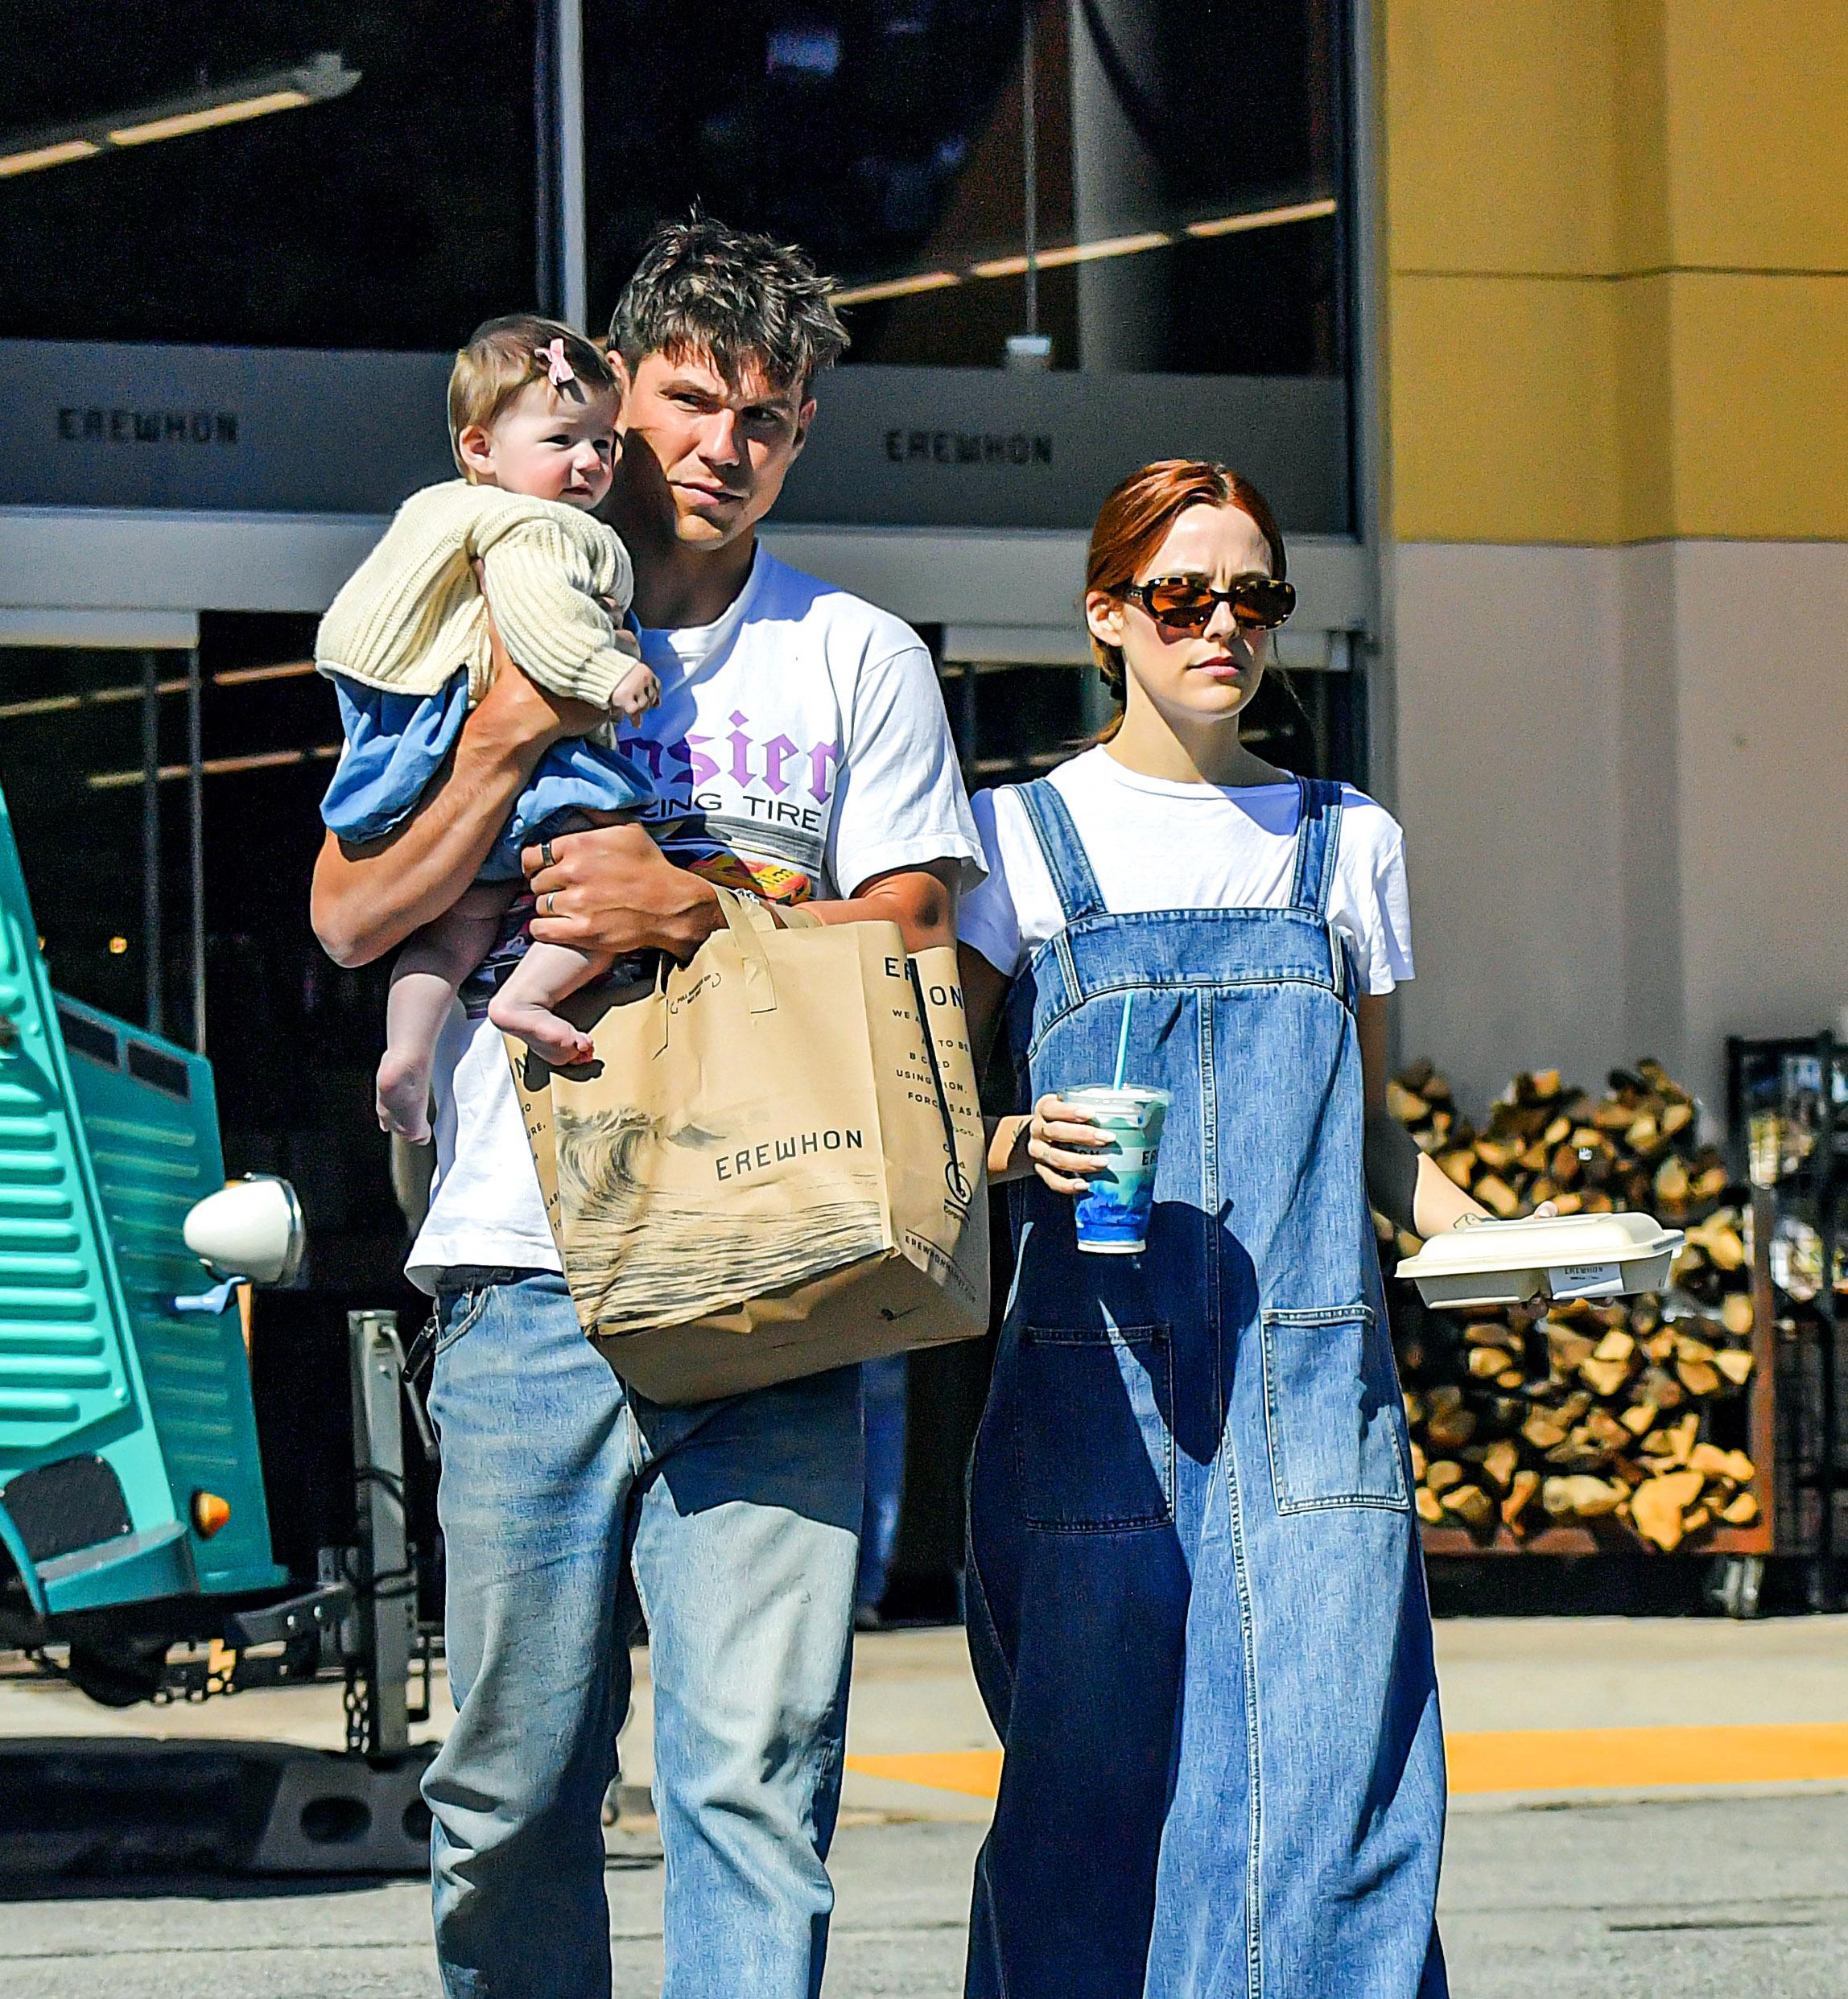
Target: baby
[532,408]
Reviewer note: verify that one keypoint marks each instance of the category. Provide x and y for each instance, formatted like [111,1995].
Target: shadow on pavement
[115,1811]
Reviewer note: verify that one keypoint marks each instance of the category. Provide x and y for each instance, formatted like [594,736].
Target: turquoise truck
[129,1466]
[133,1508]
[134,1521]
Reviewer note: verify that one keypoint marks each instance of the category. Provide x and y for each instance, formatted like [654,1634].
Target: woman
[1196,1605]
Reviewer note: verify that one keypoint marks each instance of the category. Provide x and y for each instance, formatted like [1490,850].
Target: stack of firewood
[1579,1412]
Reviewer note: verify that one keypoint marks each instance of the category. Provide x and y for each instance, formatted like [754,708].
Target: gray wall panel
[282,429]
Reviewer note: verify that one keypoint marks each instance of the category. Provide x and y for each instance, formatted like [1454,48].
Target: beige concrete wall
[1623,774]
[1617,269]
[1761,649]
[1509,721]
[1616,347]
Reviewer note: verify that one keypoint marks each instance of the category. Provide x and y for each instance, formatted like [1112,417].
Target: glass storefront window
[394,215]
[292,1039]
[1188,228]
[1014,722]
[1188,162]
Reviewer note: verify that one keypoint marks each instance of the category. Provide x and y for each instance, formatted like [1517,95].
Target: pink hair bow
[557,369]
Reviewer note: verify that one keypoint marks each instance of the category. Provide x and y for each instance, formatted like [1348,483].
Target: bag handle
[757,913]
[760,987]
[750,922]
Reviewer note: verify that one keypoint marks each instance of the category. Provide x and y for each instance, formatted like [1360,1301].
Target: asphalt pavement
[1710,1897]
[1610,1884]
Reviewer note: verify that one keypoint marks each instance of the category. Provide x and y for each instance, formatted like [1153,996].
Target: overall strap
[1065,860]
[1318,840]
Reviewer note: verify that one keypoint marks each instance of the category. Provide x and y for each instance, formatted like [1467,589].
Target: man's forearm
[922,901]
[366,901]
[613,891]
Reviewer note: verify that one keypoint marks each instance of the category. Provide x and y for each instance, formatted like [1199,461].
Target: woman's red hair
[1133,522]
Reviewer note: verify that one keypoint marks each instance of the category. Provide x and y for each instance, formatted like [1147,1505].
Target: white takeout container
[1562,1256]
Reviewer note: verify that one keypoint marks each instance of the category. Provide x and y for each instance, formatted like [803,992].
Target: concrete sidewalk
[1533,1707]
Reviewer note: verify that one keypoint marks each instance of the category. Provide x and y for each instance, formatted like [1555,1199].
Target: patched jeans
[740,1519]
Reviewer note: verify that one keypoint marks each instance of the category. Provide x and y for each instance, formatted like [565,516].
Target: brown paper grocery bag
[774,1164]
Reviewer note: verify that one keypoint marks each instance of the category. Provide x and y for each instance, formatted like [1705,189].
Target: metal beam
[196,804]
[295,562]
[131,631]
[573,267]
[153,951]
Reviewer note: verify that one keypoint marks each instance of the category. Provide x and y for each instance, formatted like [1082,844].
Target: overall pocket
[1093,1428]
[1330,1399]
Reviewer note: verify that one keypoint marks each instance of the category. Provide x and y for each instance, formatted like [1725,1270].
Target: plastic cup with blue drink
[1113,1211]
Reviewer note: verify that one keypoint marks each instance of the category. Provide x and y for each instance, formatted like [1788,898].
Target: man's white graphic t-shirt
[803,735]
[1153,844]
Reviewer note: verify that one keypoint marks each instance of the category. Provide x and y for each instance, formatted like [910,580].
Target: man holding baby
[799,747]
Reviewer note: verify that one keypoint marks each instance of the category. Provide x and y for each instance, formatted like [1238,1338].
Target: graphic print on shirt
[758,822]
[747,807]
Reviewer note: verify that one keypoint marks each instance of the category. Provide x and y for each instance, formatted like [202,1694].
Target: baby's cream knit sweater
[411,613]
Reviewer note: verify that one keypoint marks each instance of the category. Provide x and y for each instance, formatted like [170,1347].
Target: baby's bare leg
[524,1005]
[424,981]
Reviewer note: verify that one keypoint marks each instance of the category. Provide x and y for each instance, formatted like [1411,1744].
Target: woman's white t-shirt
[1154,844]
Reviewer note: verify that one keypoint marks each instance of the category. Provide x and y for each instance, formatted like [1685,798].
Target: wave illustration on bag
[635,1246]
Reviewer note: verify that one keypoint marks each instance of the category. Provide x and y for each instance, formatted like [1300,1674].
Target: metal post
[558,160]
[387,1611]
[1030,163]
[545,158]
[152,952]
[1364,258]
[1118,188]
[573,273]
[1826,1227]
[195,803]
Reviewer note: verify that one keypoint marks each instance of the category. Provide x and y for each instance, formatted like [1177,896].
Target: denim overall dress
[1196,1602]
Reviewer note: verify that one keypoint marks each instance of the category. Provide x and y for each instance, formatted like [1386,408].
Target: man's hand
[521,714]
[612,890]
[366,900]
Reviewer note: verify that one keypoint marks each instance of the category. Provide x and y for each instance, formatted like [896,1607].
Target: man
[803,729]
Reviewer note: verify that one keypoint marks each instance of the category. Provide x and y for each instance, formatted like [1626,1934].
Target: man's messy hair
[703,291]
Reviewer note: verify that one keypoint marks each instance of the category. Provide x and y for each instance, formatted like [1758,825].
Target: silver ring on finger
[547,901]
[546,855]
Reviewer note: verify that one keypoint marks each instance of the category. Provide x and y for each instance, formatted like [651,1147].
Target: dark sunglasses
[1186,604]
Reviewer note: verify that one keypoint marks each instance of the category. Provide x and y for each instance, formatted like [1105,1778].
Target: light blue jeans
[740,1520]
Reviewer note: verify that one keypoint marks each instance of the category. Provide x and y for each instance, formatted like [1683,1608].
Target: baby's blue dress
[396,743]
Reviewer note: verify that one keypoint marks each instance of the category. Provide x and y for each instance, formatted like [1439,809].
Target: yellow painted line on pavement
[977,1773]
[1642,1759]
[1533,1759]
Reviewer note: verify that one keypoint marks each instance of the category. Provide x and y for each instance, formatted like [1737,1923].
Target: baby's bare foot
[551,1036]
[403,1097]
